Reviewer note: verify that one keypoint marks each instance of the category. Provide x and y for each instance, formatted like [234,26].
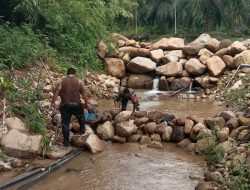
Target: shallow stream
[133,166]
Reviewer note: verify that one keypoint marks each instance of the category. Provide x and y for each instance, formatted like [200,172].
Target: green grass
[23,103]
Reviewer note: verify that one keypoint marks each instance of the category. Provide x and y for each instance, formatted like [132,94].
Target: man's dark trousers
[67,111]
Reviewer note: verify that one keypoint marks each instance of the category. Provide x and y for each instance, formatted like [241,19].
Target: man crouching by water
[70,89]
[122,98]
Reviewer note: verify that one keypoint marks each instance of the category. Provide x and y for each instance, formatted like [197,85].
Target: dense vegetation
[192,17]
[64,31]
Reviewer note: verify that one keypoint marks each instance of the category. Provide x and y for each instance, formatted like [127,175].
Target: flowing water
[159,101]
[133,166]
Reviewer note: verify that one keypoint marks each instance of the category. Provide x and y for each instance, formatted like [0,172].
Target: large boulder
[21,145]
[169,58]
[225,43]
[115,67]
[215,65]
[195,46]
[150,128]
[215,122]
[242,58]
[139,81]
[15,123]
[229,60]
[188,126]
[236,47]
[205,143]
[155,116]
[106,131]
[212,45]
[171,69]
[141,120]
[195,67]
[227,115]
[169,44]
[135,52]
[126,128]
[177,134]
[166,136]
[156,55]
[95,144]
[181,83]
[141,65]
[160,129]
[122,116]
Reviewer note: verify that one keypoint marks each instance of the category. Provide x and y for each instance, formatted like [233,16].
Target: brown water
[132,166]
[152,101]
[128,167]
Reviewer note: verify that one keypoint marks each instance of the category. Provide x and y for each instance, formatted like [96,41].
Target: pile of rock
[205,60]
[101,85]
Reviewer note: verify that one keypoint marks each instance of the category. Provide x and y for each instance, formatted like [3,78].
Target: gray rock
[203,144]
[115,67]
[21,145]
[178,134]
[213,123]
[15,123]
[58,152]
[141,65]
[106,131]
[125,128]
[170,69]
[195,67]
[167,134]
[122,116]
[150,127]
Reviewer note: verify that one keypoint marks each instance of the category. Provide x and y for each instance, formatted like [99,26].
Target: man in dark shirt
[123,97]
[70,89]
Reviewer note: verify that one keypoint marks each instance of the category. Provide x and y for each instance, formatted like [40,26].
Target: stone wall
[204,60]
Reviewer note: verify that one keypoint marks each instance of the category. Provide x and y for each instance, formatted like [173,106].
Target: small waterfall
[156,84]
[191,86]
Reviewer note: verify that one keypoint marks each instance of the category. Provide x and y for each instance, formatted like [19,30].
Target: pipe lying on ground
[44,172]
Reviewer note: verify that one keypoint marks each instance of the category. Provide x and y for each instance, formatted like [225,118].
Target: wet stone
[119,139]
[155,144]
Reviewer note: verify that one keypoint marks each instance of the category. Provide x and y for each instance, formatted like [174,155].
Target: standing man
[123,97]
[70,89]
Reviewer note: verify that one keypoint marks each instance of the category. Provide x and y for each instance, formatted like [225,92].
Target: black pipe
[49,169]
[20,178]
[45,171]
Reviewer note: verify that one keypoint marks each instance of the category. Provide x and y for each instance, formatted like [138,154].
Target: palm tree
[159,13]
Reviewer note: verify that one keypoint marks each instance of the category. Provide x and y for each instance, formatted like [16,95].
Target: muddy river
[133,166]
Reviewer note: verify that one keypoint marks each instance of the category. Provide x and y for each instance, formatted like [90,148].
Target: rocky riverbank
[204,61]
[222,139]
